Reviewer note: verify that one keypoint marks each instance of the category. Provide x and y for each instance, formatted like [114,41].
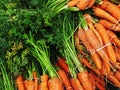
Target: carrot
[100,80]
[63,64]
[114,38]
[84,80]
[44,82]
[99,86]
[117,75]
[36,80]
[55,84]
[39,87]
[26,84]
[20,83]
[103,14]
[57,65]
[110,25]
[31,85]
[94,55]
[103,33]
[65,80]
[113,80]
[91,3]
[76,84]
[111,8]
[82,4]
[72,3]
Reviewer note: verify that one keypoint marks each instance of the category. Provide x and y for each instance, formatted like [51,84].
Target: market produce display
[59,45]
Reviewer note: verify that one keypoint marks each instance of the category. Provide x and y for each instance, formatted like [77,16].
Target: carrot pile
[91,53]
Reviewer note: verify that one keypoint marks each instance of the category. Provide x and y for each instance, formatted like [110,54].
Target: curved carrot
[76,84]
[82,4]
[103,14]
[114,38]
[44,82]
[64,79]
[63,64]
[36,80]
[103,32]
[55,84]
[20,83]
[111,8]
[91,3]
[84,80]
[31,85]
[72,3]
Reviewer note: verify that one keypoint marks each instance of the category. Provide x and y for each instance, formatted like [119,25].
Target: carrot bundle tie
[117,23]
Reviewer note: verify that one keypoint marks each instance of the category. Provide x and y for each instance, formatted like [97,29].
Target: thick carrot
[39,87]
[36,80]
[84,80]
[103,14]
[20,83]
[44,82]
[96,58]
[103,33]
[111,8]
[117,75]
[91,3]
[82,4]
[114,38]
[110,25]
[76,84]
[55,84]
[99,86]
[26,84]
[63,64]
[72,3]
[113,80]
[63,76]
[31,85]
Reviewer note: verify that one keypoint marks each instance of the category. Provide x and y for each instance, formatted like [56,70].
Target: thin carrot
[20,83]
[103,33]
[113,80]
[114,38]
[55,84]
[91,3]
[31,85]
[26,84]
[76,84]
[36,80]
[63,64]
[100,80]
[82,4]
[72,3]
[110,25]
[63,76]
[117,75]
[39,87]
[44,82]
[99,86]
[84,80]
[111,8]
[103,14]
[96,58]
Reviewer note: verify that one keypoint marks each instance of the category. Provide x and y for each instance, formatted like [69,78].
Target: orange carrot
[63,64]
[103,33]
[44,82]
[100,80]
[39,87]
[103,14]
[26,84]
[31,85]
[96,58]
[72,3]
[111,8]
[99,86]
[113,80]
[76,84]
[114,38]
[82,4]
[55,84]
[63,76]
[84,80]
[36,80]
[117,75]
[91,3]
[109,25]
[20,83]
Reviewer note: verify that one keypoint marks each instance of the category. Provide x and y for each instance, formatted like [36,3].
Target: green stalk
[40,52]
[6,79]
